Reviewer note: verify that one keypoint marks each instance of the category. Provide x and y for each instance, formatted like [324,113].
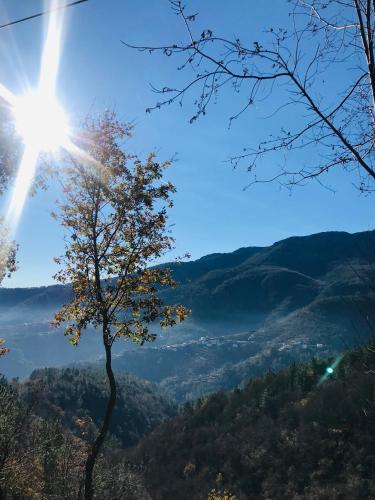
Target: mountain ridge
[313,287]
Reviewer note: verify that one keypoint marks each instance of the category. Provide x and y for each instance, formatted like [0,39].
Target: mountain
[278,279]
[300,433]
[300,296]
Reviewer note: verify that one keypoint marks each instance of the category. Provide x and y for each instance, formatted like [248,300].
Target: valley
[253,310]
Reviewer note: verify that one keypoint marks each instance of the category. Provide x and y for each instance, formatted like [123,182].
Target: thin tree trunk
[91,459]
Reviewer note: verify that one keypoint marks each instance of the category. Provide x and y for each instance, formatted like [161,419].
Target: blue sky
[212,212]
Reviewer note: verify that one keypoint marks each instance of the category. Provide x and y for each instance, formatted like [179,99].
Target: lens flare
[329,371]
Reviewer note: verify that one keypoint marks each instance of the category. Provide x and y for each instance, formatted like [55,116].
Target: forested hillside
[47,422]
[302,433]
[74,396]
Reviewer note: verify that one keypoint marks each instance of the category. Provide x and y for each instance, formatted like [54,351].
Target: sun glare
[39,118]
[41,121]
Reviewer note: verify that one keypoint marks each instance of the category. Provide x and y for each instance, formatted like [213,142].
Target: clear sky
[212,212]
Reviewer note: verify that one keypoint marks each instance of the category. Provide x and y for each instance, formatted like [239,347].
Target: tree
[116,216]
[18,469]
[38,457]
[220,495]
[7,253]
[9,149]
[7,265]
[328,43]
[9,154]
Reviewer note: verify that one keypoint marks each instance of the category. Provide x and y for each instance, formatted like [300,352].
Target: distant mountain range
[253,309]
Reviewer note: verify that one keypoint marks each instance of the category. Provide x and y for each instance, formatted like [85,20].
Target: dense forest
[48,421]
[304,433]
[71,395]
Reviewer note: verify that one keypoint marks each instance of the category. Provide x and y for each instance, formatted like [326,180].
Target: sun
[39,118]
[41,121]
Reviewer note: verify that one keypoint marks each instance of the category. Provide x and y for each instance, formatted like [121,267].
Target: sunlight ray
[24,179]
[51,52]
[40,120]
[80,154]
[7,95]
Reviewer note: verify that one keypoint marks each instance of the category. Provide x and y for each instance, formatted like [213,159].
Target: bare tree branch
[324,39]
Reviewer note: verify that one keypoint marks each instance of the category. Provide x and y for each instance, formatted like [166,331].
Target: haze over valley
[254,309]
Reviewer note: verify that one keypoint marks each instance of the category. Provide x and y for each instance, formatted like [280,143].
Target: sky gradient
[212,213]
